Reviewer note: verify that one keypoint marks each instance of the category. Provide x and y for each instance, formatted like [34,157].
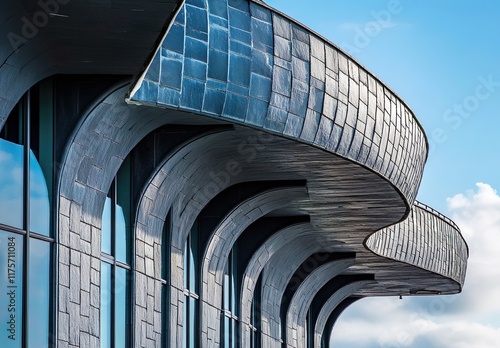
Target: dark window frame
[30,104]
[116,265]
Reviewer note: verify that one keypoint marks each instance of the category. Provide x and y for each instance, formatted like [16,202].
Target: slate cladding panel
[414,241]
[240,61]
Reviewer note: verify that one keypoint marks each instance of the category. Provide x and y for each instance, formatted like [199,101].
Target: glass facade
[165,255]
[229,317]
[255,315]
[11,289]
[191,289]
[26,233]
[39,293]
[116,263]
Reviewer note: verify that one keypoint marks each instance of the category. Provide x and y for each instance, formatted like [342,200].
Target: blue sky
[433,55]
[443,58]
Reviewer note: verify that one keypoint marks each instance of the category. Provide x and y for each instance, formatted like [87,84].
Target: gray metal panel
[411,241]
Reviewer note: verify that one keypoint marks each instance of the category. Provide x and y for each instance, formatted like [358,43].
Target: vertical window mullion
[47,155]
[34,271]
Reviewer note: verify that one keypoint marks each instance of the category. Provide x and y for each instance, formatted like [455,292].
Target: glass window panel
[164,316]
[233,288]
[44,147]
[123,221]
[39,199]
[11,291]
[165,252]
[39,293]
[121,294]
[227,334]
[11,184]
[225,289]
[193,258]
[121,236]
[306,329]
[234,278]
[185,326]
[233,333]
[186,265]
[192,269]
[279,327]
[193,319]
[13,128]
[106,298]
[106,227]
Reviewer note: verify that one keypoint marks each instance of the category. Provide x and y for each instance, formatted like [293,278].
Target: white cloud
[471,319]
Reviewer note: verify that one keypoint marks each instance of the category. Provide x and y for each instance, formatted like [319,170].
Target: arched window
[26,232]
[116,263]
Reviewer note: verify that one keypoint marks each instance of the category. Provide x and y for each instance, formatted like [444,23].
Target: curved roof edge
[446,251]
[249,64]
[263,3]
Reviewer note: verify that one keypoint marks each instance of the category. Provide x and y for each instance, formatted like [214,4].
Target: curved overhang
[245,63]
[426,239]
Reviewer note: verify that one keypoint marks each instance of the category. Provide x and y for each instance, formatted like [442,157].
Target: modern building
[201,173]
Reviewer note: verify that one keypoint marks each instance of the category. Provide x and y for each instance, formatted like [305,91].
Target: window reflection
[121,236]
[39,295]
[11,290]
[11,184]
[39,199]
[230,300]
[106,227]
[121,293]
[106,297]
[26,148]
[115,265]
[123,200]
